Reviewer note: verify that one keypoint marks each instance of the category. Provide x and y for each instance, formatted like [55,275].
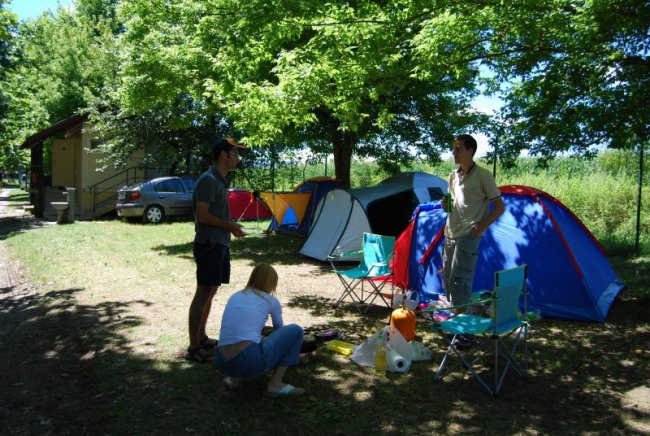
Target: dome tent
[244,205]
[293,211]
[343,215]
[569,275]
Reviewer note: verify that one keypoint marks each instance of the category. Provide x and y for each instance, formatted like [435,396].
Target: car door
[172,196]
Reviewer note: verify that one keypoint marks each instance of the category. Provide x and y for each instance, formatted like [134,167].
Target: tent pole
[638,199]
[494,161]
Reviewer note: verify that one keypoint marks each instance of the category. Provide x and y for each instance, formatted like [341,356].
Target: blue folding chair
[498,334]
[364,283]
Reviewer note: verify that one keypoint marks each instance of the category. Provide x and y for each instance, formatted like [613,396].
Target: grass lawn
[94,329]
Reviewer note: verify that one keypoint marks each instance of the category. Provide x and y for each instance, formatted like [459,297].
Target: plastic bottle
[380,356]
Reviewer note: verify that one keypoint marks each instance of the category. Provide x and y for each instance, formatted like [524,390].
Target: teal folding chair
[498,334]
[365,283]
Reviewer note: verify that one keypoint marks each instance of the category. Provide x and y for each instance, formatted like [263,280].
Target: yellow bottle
[380,356]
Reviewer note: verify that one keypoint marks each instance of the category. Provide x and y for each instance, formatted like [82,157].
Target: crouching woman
[242,352]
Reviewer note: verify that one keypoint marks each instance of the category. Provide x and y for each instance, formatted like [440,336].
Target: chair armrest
[473,303]
[378,265]
[340,256]
[477,295]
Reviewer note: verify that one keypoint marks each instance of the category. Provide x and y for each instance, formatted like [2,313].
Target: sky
[26,9]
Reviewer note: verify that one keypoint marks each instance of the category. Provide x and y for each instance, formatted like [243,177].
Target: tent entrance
[389,216]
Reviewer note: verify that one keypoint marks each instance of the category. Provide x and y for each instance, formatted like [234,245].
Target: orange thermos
[403,319]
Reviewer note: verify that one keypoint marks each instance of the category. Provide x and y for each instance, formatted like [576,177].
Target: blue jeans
[280,348]
[459,261]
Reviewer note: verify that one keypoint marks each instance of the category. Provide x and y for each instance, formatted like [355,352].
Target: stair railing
[123,178]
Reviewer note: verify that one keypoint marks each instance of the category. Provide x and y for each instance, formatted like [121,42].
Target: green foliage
[64,62]
[8,22]
[574,74]
[381,80]
[176,138]
[345,75]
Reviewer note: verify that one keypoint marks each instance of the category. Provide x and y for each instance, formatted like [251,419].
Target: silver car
[156,199]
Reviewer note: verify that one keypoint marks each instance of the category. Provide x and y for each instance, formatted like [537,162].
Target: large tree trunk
[343,143]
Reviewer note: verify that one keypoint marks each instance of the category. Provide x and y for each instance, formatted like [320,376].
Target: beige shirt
[471,195]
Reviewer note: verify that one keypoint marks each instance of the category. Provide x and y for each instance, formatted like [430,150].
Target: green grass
[96,348]
[17,198]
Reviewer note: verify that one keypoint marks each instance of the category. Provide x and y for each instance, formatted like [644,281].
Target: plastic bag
[421,352]
[364,353]
[409,299]
[399,353]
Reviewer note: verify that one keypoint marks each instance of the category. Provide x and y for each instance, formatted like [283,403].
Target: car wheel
[154,214]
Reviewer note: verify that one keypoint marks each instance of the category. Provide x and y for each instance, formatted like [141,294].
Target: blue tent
[317,187]
[569,275]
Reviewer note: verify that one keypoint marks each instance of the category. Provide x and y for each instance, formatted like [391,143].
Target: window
[169,185]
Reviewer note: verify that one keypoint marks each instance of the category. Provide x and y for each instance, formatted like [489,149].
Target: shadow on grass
[635,272]
[580,374]
[61,361]
[17,198]
[11,226]
[280,249]
[68,367]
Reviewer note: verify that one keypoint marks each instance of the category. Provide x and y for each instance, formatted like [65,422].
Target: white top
[471,196]
[245,315]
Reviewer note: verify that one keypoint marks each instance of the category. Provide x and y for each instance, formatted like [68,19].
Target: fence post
[638,200]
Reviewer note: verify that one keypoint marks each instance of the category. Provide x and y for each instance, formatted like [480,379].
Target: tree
[63,62]
[177,137]
[346,72]
[575,74]
[580,76]
[8,22]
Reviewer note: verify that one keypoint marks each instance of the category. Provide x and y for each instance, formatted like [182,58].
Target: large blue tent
[569,275]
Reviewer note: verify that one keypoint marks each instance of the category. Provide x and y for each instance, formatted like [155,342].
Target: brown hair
[263,278]
[468,142]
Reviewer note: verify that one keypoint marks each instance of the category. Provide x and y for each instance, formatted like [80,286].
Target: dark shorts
[212,263]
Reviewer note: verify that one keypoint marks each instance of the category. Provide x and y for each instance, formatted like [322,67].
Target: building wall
[96,172]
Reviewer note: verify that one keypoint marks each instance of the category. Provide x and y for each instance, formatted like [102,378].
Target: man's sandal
[199,355]
[208,343]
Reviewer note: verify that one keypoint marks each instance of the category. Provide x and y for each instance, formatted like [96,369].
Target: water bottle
[448,202]
[380,356]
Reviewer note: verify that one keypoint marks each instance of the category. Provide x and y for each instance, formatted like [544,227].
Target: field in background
[601,191]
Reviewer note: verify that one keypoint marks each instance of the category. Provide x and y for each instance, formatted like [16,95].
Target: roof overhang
[69,124]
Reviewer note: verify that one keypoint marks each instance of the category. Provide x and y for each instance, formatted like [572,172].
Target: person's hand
[476,232]
[443,204]
[237,230]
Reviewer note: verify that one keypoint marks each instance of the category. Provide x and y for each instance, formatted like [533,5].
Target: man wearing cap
[213,228]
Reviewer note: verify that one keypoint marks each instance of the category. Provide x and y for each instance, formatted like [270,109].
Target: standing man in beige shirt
[472,189]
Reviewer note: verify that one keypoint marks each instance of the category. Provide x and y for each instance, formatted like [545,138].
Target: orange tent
[279,202]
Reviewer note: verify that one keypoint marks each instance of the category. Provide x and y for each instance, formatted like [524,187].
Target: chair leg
[442,371]
[349,290]
[376,292]
[509,356]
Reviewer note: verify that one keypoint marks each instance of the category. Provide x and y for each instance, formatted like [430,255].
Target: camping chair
[365,283]
[499,333]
